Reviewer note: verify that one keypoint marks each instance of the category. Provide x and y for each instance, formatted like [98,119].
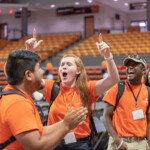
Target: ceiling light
[89,1]
[20,9]
[126,4]
[142,24]
[77,3]
[115,0]
[52,6]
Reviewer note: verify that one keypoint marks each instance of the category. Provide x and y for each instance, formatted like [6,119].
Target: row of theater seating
[94,73]
[120,44]
[51,45]
[129,29]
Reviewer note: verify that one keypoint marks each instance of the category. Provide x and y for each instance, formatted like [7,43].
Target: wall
[46,21]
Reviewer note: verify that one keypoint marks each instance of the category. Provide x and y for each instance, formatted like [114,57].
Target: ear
[78,72]
[29,75]
[143,71]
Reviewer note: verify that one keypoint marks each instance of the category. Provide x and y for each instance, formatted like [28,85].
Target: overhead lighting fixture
[77,3]
[20,9]
[52,6]
[142,24]
[115,0]
[126,4]
[89,1]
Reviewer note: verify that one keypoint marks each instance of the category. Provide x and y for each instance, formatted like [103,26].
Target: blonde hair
[81,80]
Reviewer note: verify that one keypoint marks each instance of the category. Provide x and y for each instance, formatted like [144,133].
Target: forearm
[148,129]
[109,127]
[53,135]
[113,74]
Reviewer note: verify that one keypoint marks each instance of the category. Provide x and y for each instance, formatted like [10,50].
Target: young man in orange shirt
[129,124]
[19,117]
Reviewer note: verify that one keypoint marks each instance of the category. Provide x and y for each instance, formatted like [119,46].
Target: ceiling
[35,5]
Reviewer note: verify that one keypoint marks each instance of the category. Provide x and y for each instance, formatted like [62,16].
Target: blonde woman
[76,91]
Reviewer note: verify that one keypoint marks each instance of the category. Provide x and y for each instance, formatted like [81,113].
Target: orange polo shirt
[64,101]
[17,115]
[122,120]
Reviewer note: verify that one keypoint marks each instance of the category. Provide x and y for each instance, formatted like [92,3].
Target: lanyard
[136,98]
[64,98]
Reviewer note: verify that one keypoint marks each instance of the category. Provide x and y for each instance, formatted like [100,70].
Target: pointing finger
[100,38]
[34,33]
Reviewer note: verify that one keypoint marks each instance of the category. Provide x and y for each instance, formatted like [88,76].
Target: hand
[123,146]
[74,118]
[32,44]
[103,47]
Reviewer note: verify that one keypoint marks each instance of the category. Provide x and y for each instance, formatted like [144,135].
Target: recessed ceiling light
[89,1]
[142,24]
[52,6]
[115,0]
[77,3]
[126,4]
[20,9]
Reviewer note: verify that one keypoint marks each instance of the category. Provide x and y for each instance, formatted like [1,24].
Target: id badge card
[138,114]
[70,138]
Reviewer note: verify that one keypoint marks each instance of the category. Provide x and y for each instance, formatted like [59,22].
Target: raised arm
[53,134]
[113,76]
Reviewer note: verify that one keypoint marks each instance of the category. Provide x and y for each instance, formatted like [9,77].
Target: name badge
[138,114]
[70,138]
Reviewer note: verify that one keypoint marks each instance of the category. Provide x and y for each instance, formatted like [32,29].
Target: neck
[24,88]
[134,82]
[69,85]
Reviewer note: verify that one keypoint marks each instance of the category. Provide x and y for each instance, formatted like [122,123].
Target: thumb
[39,42]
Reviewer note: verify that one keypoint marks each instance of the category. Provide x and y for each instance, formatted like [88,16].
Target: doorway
[89,26]
[4,31]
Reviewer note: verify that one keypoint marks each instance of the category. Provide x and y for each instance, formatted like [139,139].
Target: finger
[100,38]
[34,33]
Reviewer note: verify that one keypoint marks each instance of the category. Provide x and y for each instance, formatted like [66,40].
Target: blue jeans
[81,144]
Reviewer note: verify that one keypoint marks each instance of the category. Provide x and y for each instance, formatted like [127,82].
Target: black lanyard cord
[136,98]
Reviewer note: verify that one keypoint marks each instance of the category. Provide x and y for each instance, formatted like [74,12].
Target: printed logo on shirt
[145,100]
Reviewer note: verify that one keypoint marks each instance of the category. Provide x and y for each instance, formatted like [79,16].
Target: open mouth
[130,73]
[64,74]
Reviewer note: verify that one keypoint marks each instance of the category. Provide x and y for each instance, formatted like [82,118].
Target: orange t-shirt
[64,101]
[122,120]
[17,115]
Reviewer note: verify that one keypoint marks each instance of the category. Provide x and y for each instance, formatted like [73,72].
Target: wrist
[118,147]
[110,57]
[65,126]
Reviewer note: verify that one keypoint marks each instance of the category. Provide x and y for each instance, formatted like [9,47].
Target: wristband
[109,58]
[120,144]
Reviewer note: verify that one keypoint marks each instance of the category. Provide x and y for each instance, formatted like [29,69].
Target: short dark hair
[19,61]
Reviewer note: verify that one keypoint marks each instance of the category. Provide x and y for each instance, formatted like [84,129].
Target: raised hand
[76,117]
[32,43]
[103,47]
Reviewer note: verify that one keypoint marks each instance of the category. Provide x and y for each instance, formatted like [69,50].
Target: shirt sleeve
[21,117]
[48,89]
[110,96]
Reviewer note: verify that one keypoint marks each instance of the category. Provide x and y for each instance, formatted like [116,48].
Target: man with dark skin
[129,124]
